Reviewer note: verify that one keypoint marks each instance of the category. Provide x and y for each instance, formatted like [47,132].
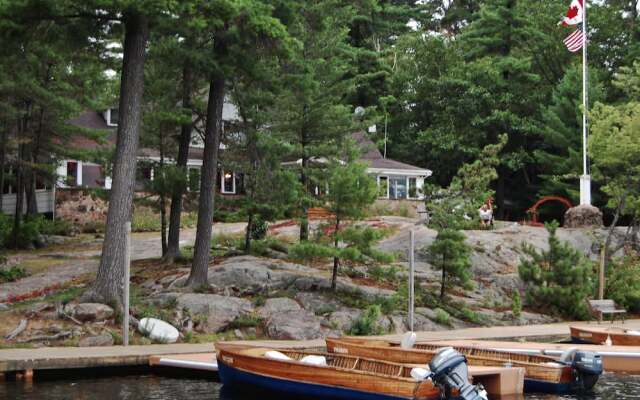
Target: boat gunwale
[329,367]
[354,342]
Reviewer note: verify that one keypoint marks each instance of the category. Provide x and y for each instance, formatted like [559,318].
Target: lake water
[153,387]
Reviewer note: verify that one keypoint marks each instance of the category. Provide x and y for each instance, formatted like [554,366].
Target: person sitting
[486,215]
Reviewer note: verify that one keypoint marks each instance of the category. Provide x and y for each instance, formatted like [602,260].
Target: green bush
[58,227]
[367,323]
[246,321]
[12,274]
[559,279]
[516,305]
[623,282]
[382,274]
[443,317]
[305,251]
[93,227]
[259,228]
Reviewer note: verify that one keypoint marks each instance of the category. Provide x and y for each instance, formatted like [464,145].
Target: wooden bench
[599,308]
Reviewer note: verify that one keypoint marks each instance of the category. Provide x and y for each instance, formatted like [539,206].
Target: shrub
[367,322]
[310,251]
[623,282]
[442,317]
[246,321]
[450,254]
[382,274]
[559,279]
[58,227]
[12,274]
[259,228]
[516,305]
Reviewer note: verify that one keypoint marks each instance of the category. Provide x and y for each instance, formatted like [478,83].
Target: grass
[384,274]
[246,321]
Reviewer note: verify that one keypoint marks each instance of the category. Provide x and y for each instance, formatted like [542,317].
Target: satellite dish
[359,111]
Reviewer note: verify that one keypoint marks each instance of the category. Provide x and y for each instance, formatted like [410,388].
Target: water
[152,387]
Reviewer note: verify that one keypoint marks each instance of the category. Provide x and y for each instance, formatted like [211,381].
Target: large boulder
[92,312]
[317,303]
[217,311]
[294,325]
[343,320]
[278,305]
[583,216]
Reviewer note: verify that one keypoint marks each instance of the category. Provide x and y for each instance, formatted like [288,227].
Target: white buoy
[158,330]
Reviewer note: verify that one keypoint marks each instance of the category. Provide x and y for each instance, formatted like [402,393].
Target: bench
[599,308]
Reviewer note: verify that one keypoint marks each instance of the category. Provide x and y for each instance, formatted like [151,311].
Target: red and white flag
[575,41]
[574,15]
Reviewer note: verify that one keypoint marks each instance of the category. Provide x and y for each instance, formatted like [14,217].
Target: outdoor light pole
[411,277]
[585,179]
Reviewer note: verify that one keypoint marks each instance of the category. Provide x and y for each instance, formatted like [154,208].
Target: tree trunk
[163,200]
[173,240]
[3,151]
[247,235]
[500,194]
[336,259]
[213,131]
[107,287]
[304,179]
[444,276]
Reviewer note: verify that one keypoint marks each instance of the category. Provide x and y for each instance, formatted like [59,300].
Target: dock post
[411,277]
[127,273]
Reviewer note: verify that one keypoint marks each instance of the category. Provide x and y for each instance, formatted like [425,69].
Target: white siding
[44,198]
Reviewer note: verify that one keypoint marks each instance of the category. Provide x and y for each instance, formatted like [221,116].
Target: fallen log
[44,338]
[19,329]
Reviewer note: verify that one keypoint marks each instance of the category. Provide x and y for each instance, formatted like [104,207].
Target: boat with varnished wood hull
[599,334]
[542,374]
[344,377]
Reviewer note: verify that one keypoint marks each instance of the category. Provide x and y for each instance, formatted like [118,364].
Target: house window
[72,173]
[228,183]
[41,183]
[194,179]
[398,188]
[413,188]
[383,187]
[112,116]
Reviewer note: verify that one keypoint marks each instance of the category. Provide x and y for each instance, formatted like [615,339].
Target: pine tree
[350,191]
[505,74]
[559,155]
[450,255]
[240,29]
[311,113]
[558,279]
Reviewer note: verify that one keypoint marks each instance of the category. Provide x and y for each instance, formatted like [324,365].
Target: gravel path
[145,245]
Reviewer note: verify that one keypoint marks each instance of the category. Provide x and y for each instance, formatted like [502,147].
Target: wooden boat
[542,374]
[599,335]
[343,376]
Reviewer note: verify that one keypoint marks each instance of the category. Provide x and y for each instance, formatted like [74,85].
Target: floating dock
[614,358]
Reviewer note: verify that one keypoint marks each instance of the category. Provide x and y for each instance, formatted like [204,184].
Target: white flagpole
[585,179]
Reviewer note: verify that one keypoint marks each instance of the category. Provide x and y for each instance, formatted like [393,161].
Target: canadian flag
[574,15]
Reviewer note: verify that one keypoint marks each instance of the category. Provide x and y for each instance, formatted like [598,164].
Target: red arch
[534,209]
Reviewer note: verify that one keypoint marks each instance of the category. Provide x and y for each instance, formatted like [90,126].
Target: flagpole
[585,179]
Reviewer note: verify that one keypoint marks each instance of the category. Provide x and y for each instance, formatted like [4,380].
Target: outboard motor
[587,367]
[449,371]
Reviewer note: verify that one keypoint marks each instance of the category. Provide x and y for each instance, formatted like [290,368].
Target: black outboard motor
[449,371]
[587,367]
